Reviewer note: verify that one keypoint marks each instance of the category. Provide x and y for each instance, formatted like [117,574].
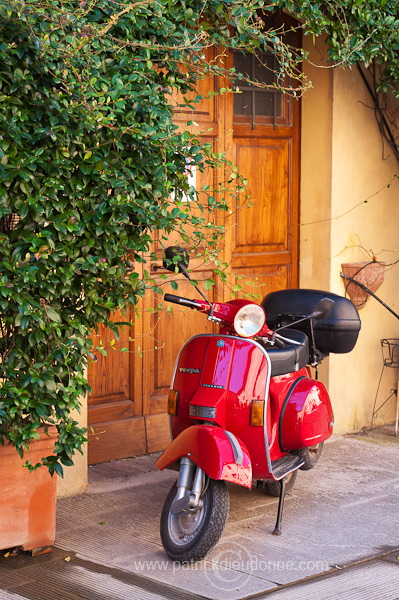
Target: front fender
[217,452]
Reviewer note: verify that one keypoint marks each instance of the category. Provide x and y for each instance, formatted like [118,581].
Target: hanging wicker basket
[370,274]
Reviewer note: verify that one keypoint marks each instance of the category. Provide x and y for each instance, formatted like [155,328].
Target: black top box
[337,333]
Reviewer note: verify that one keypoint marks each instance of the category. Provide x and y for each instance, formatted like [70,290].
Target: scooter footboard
[219,453]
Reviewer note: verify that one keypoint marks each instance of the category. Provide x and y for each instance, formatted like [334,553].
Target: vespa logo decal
[183,370]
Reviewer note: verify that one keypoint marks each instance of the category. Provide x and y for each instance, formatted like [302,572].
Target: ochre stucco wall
[342,167]
[75,478]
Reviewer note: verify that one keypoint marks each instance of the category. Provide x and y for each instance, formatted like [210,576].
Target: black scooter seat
[293,356]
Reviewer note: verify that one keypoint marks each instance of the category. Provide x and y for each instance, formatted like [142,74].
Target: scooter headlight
[249,320]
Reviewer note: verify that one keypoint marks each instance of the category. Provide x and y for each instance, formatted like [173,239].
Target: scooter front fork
[189,486]
[277,527]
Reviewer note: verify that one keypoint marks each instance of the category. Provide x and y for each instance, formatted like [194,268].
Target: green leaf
[51,385]
[208,283]
[52,314]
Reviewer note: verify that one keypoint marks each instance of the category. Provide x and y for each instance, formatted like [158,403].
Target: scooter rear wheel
[190,535]
[310,456]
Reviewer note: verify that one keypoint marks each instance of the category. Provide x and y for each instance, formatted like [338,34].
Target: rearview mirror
[176,257]
[323,309]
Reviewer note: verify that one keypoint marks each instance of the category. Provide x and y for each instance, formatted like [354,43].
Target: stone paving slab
[67,577]
[374,581]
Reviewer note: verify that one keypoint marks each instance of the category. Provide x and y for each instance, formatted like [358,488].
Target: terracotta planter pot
[27,500]
[370,274]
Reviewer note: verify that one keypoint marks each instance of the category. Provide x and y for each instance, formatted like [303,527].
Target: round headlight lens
[249,320]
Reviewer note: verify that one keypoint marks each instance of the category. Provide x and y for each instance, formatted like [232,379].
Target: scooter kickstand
[277,527]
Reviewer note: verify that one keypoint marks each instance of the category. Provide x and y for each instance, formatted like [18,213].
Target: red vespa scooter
[243,404]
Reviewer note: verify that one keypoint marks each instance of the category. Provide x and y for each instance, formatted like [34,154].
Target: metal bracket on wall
[390,356]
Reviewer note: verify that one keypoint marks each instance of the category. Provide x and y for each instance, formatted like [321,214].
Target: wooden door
[262,232]
[259,131]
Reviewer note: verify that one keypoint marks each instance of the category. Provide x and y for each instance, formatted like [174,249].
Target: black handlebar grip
[173,298]
[279,343]
[182,301]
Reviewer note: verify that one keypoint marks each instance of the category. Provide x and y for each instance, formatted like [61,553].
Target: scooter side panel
[214,451]
[307,418]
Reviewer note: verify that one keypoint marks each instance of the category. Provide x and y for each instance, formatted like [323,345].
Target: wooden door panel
[116,439]
[259,281]
[157,430]
[204,110]
[107,376]
[113,407]
[100,412]
[263,227]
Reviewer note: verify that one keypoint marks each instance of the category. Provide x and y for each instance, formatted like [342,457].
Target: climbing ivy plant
[90,164]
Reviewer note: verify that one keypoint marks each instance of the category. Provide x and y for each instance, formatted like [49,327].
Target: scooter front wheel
[189,535]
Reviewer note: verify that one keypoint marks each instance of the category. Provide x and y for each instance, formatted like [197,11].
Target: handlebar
[182,301]
[222,314]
